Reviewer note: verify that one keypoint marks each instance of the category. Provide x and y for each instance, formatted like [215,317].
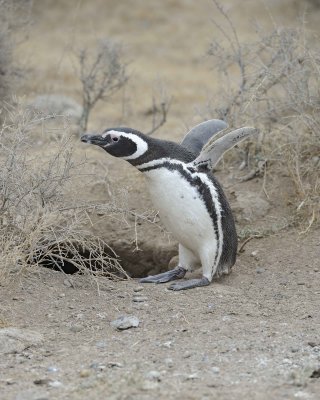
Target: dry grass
[272,82]
[38,224]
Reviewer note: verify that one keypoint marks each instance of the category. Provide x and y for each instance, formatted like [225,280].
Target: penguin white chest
[181,208]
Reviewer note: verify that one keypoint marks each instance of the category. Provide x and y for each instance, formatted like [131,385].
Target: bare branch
[101,73]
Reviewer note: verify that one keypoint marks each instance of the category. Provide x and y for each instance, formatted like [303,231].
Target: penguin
[191,202]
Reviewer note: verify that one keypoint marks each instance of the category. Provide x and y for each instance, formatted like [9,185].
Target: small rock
[125,322]
[67,283]
[52,369]
[254,254]
[101,344]
[61,295]
[42,381]
[138,289]
[139,299]
[168,362]
[55,384]
[215,370]
[84,373]
[76,328]
[301,283]
[192,377]
[112,364]
[260,270]
[167,344]
[153,376]
[187,354]
[316,269]
[98,366]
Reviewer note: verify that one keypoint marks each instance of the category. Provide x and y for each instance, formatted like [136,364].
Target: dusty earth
[254,334]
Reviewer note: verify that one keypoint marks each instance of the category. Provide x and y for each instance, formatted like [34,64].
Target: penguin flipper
[214,149]
[198,136]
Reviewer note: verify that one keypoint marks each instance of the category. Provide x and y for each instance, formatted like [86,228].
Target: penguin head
[124,143]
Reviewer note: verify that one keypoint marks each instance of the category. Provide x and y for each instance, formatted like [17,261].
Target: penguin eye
[114,138]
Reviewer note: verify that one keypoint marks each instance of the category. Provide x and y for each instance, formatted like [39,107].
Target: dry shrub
[102,72]
[14,19]
[273,83]
[38,224]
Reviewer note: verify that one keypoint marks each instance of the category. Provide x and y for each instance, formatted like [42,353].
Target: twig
[241,249]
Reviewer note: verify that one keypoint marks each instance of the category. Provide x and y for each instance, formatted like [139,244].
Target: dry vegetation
[102,73]
[38,224]
[272,83]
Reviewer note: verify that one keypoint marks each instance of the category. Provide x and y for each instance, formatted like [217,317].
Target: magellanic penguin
[191,202]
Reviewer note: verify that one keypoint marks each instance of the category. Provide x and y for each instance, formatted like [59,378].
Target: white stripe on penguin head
[142,145]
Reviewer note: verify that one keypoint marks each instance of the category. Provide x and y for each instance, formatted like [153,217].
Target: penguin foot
[191,283]
[176,273]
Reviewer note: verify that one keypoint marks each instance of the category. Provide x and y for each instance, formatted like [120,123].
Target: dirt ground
[254,334]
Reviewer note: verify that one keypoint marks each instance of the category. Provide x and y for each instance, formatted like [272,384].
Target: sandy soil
[254,334]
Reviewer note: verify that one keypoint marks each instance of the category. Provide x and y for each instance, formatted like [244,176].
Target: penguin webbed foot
[176,273]
[189,284]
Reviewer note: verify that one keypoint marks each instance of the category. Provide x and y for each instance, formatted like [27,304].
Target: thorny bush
[273,83]
[38,224]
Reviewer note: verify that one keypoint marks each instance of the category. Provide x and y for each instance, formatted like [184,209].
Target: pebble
[215,370]
[101,344]
[138,289]
[139,299]
[42,381]
[187,354]
[84,373]
[52,369]
[260,270]
[112,364]
[168,362]
[61,295]
[254,254]
[67,283]
[76,328]
[125,322]
[192,377]
[55,384]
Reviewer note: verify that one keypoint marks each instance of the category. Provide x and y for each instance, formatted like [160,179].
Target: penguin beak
[93,139]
